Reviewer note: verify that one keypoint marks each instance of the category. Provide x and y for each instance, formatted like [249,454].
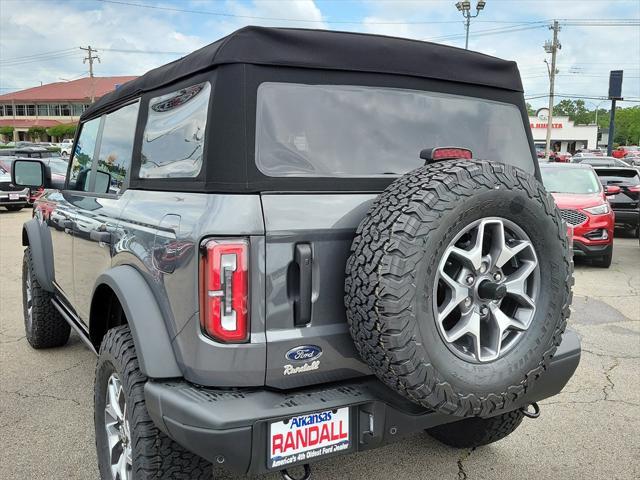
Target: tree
[6,131]
[62,131]
[36,132]
[627,129]
[575,110]
[530,110]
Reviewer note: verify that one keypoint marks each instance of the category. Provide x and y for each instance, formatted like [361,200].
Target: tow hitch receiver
[305,476]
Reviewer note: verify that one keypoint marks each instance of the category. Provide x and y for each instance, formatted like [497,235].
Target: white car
[65,147]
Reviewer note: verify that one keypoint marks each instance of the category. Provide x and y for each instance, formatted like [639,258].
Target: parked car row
[13,198]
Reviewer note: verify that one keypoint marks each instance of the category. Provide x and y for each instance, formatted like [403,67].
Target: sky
[40,39]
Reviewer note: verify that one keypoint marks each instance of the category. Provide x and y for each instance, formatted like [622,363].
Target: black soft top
[322,49]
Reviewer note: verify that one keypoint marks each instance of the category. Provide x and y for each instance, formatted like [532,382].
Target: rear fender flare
[38,238]
[145,319]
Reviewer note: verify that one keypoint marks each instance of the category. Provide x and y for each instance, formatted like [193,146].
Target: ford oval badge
[304,353]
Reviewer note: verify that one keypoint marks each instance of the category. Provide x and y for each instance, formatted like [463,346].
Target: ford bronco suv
[295,244]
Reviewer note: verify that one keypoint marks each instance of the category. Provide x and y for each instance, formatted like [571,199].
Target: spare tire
[458,285]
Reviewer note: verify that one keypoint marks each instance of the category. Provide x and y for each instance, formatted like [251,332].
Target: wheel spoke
[516,283]
[501,252]
[472,257]
[468,325]
[458,294]
[113,404]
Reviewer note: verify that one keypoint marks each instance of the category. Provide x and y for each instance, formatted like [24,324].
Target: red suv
[583,204]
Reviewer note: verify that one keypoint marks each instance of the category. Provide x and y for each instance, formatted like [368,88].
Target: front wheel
[44,326]
[128,443]
[14,208]
[475,432]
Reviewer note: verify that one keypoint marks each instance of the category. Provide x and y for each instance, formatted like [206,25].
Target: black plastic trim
[198,417]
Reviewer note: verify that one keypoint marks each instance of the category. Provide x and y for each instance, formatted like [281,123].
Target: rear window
[173,139]
[355,131]
[626,176]
[570,180]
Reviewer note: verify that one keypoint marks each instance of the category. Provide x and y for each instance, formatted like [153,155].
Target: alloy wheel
[117,428]
[486,289]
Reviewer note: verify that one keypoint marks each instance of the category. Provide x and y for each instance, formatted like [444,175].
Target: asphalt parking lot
[591,430]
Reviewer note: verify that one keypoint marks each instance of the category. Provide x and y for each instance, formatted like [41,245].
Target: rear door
[307,245]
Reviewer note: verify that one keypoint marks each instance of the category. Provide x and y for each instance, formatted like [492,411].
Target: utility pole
[465,9]
[90,58]
[552,48]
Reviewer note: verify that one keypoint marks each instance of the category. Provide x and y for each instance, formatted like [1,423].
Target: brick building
[52,104]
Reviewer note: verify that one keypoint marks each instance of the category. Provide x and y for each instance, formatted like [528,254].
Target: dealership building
[52,104]
[566,136]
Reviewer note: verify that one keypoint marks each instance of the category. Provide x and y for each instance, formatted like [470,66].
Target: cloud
[587,55]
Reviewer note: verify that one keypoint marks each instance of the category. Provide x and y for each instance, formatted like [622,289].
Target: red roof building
[53,104]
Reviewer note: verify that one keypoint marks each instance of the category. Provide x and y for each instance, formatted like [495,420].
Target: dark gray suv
[295,244]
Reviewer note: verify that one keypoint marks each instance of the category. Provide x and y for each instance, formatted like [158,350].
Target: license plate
[302,438]
[14,196]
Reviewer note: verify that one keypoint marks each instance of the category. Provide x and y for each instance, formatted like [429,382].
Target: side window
[173,139]
[116,147]
[80,175]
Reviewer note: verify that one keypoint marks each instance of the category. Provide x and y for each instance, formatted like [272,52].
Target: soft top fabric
[323,49]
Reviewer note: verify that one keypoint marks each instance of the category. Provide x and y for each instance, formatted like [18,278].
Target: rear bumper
[231,427]
[22,198]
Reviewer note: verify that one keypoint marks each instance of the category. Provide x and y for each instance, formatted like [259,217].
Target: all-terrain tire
[392,269]
[45,327]
[14,208]
[154,455]
[475,432]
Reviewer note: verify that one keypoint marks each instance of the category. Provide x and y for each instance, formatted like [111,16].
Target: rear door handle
[99,236]
[302,305]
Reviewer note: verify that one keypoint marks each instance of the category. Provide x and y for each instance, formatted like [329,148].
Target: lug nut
[497,276]
[470,279]
[484,310]
[467,302]
[483,267]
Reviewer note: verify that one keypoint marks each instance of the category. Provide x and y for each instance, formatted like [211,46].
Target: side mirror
[28,173]
[611,189]
[103,181]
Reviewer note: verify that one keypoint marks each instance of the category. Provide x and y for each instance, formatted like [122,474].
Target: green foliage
[530,110]
[627,130]
[36,132]
[6,131]
[61,131]
[576,110]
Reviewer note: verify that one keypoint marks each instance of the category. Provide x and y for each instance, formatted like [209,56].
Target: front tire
[43,324]
[128,443]
[476,432]
[14,208]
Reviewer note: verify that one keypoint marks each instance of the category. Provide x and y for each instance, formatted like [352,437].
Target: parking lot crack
[462,473]
[39,395]
[607,389]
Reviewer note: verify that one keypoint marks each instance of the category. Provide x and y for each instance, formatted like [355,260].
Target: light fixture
[459,6]
[466,6]
[481,4]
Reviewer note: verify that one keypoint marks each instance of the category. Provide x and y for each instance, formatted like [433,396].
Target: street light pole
[465,9]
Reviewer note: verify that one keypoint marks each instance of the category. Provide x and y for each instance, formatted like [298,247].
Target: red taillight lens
[224,290]
[635,189]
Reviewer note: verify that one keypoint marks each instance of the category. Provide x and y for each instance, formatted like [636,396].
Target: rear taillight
[224,289]
[635,189]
